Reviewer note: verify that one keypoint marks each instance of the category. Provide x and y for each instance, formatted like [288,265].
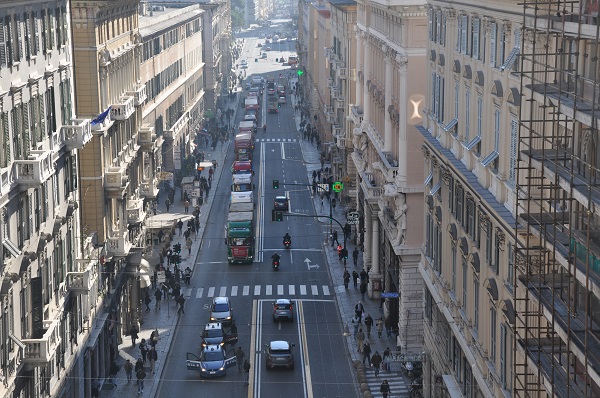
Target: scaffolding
[556,330]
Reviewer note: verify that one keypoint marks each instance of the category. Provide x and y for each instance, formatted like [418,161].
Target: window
[502,46]
[50,107]
[512,166]
[37,209]
[463,21]
[44,31]
[428,306]
[467,113]
[438,29]
[505,357]
[479,114]
[453,287]
[489,243]
[456,99]
[24,304]
[510,272]
[21,223]
[438,96]
[496,260]
[459,195]
[50,38]
[451,198]
[464,280]
[16,114]
[493,157]
[475,303]
[493,44]
[492,333]
[429,232]
[475,38]
[4,140]
[470,227]
[28,29]
[35,47]
[65,103]
[9,36]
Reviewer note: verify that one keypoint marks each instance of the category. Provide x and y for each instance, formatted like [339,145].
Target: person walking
[188,244]
[168,204]
[180,226]
[388,327]
[379,325]
[181,301]
[239,356]
[334,238]
[368,324]
[147,300]
[385,389]
[346,279]
[246,371]
[367,353]
[153,357]
[363,289]
[360,340]
[157,298]
[386,354]
[376,362]
[186,206]
[355,278]
[359,309]
[356,324]
[141,375]
[355,256]
[144,350]
[133,332]
[128,369]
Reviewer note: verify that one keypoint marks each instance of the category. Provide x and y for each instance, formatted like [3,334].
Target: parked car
[244,63]
[212,362]
[279,354]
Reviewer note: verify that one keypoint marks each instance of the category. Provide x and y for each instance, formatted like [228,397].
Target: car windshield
[280,352]
[242,187]
[221,307]
[211,333]
[281,201]
[283,306]
[212,356]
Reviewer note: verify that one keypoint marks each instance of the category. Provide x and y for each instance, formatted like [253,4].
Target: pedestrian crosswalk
[258,290]
[399,386]
[276,140]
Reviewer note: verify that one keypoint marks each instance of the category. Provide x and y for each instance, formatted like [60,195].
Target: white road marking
[303,290]
[246,290]
[199,292]
[234,290]
[314,290]
[211,292]
[292,289]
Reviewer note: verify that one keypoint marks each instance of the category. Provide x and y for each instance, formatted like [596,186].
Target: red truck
[244,145]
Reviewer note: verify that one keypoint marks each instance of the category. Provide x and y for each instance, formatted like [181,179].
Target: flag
[100,118]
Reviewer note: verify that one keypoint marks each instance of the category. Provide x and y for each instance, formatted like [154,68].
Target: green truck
[239,233]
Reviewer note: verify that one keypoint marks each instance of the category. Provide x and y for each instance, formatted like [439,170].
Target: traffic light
[345,254]
[278,216]
[275,184]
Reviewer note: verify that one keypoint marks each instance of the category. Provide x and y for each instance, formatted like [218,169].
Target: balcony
[135,211]
[369,186]
[80,282]
[34,171]
[139,95]
[341,73]
[356,115]
[78,134]
[146,138]
[115,181]
[149,190]
[340,102]
[123,109]
[175,130]
[41,351]
[118,245]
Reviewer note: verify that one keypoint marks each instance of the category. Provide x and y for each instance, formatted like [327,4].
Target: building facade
[50,277]
[557,269]
[469,130]
[390,87]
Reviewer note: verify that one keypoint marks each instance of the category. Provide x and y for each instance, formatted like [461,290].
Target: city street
[322,366]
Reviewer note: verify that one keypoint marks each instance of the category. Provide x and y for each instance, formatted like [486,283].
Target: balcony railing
[146,138]
[118,244]
[341,73]
[139,95]
[177,128]
[356,115]
[41,351]
[368,185]
[115,179]
[77,134]
[340,102]
[80,282]
[35,170]
[123,109]
[149,189]
[135,211]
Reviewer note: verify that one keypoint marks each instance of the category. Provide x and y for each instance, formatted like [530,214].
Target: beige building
[470,126]
[390,88]
[46,256]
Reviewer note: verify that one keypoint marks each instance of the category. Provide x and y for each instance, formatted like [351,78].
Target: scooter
[276,265]
[416,388]
[287,243]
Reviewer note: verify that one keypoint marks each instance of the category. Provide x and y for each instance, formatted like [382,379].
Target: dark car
[281,203]
[279,354]
[213,334]
[212,362]
[283,309]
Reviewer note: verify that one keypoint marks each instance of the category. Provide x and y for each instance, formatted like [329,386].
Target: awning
[98,326]
[146,271]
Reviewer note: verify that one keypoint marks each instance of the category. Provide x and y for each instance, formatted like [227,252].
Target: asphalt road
[321,365]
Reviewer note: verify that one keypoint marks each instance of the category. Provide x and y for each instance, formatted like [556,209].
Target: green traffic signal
[278,216]
[275,184]
[300,72]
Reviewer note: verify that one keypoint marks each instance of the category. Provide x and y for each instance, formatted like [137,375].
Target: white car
[244,63]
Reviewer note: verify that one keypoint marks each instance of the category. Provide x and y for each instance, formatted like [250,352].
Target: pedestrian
[160,235]
[347,231]
[356,324]
[154,207]
[334,238]
[133,332]
[153,338]
[386,355]
[180,226]
[355,278]
[388,327]
[157,298]
[141,375]
[186,206]
[181,301]
[385,389]
[187,275]
[360,340]
[340,249]
[239,355]
[346,279]
[246,370]
[147,300]
[366,353]
[188,244]
[363,289]
[368,324]
[168,203]
[355,257]
[364,276]
[128,369]
[359,309]
[379,325]
[376,362]
[139,364]
[143,350]
[153,357]
[186,234]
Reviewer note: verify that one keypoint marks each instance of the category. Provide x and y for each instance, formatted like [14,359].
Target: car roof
[283,301]
[213,348]
[279,345]
[213,325]
[221,300]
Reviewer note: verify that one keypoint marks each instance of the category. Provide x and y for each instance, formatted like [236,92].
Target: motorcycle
[276,265]
[287,243]
[408,369]
[416,388]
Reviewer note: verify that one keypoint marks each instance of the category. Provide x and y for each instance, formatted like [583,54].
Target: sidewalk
[348,298]
[165,319]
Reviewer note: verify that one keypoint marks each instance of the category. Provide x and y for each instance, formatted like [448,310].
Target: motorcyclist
[287,238]
[275,257]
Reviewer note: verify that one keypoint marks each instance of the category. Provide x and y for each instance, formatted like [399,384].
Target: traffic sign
[338,186]
[353,218]
[161,277]
[324,187]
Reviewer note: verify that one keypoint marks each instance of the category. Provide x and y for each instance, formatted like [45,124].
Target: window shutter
[493,44]
[36,34]
[44,31]
[6,134]
[502,354]
[26,130]
[2,46]
[27,38]
[65,26]
[16,132]
[50,29]
[443,33]
[438,29]
[459,33]
[513,152]
[476,38]
[30,214]
[9,39]
[18,34]
[41,116]
[33,113]
[463,34]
